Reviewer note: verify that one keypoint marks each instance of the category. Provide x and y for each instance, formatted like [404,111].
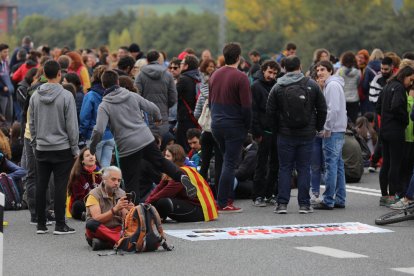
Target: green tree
[80,40]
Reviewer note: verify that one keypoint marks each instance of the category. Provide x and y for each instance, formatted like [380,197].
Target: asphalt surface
[26,253]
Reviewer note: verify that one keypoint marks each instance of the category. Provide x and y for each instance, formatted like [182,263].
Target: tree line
[265,25]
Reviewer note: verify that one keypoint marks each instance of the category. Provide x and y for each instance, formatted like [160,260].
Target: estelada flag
[204,194]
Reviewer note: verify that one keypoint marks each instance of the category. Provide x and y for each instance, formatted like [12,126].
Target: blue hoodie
[89,111]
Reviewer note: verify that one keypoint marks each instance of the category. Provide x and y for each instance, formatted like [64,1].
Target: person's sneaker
[305,209]
[230,208]
[383,200]
[41,229]
[83,216]
[391,200]
[88,240]
[259,202]
[322,206]
[281,209]
[339,206]
[50,216]
[271,200]
[314,199]
[372,169]
[402,204]
[189,187]
[63,230]
[98,244]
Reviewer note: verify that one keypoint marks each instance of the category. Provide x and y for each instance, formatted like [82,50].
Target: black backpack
[296,109]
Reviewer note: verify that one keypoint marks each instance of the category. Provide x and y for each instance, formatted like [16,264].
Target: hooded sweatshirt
[157,85]
[89,111]
[274,107]
[336,119]
[122,109]
[187,91]
[53,120]
[351,78]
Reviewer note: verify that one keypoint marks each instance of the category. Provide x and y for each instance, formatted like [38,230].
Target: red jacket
[19,75]
[84,184]
[170,189]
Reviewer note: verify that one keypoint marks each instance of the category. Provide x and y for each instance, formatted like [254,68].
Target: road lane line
[362,192]
[409,270]
[331,252]
[363,189]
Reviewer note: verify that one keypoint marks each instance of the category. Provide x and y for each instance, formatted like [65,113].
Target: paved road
[29,254]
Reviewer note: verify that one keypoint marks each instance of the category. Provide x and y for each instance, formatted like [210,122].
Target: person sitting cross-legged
[106,206]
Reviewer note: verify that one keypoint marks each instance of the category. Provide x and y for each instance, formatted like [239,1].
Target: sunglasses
[173,67]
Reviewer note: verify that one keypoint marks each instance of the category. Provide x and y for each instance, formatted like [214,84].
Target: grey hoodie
[157,85]
[53,121]
[122,110]
[336,119]
[351,77]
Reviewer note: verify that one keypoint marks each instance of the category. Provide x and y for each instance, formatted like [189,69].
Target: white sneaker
[315,199]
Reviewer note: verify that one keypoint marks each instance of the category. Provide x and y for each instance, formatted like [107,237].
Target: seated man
[106,206]
[193,140]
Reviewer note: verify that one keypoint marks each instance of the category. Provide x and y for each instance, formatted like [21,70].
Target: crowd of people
[90,133]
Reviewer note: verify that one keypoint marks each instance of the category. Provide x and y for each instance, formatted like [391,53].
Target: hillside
[65,8]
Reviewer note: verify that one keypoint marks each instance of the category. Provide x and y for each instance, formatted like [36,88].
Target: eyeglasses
[173,67]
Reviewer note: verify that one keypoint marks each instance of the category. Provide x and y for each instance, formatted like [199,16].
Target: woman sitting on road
[85,176]
[170,198]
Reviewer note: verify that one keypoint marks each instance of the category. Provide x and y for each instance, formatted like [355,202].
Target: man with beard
[106,206]
[266,173]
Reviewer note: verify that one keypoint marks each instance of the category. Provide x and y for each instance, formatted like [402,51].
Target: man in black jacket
[267,166]
[297,110]
[187,98]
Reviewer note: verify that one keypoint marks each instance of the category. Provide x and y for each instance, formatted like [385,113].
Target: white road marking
[331,252]
[360,190]
[409,270]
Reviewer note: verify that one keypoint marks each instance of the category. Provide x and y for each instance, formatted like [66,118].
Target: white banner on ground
[275,232]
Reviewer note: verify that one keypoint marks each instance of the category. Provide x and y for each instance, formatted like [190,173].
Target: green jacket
[409,131]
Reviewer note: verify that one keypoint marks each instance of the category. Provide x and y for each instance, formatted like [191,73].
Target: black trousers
[179,210]
[392,153]
[78,207]
[131,168]
[352,110]
[209,147]
[266,175]
[60,164]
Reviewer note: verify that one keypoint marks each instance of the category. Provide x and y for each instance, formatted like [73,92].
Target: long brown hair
[5,145]
[177,153]
[76,170]
[76,61]
[363,126]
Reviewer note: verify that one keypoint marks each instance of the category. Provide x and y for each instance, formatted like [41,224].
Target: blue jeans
[317,165]
[335,191]
[294,152]
[230,141]
[104,151]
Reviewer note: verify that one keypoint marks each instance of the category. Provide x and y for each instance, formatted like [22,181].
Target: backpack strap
[157,219]
[143,232]
[190,113]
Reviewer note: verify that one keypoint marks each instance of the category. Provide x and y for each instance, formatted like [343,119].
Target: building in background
[8,18]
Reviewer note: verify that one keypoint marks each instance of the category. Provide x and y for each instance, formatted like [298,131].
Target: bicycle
[396,216]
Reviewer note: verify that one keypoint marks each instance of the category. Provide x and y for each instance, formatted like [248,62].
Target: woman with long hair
[170,198]
[84,176]
[365,129]
[392,106]
[351,76]
[208,144]
[77,66]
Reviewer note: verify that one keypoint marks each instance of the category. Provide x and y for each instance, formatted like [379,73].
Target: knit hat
[134,48]
[364,53]
[182,55]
